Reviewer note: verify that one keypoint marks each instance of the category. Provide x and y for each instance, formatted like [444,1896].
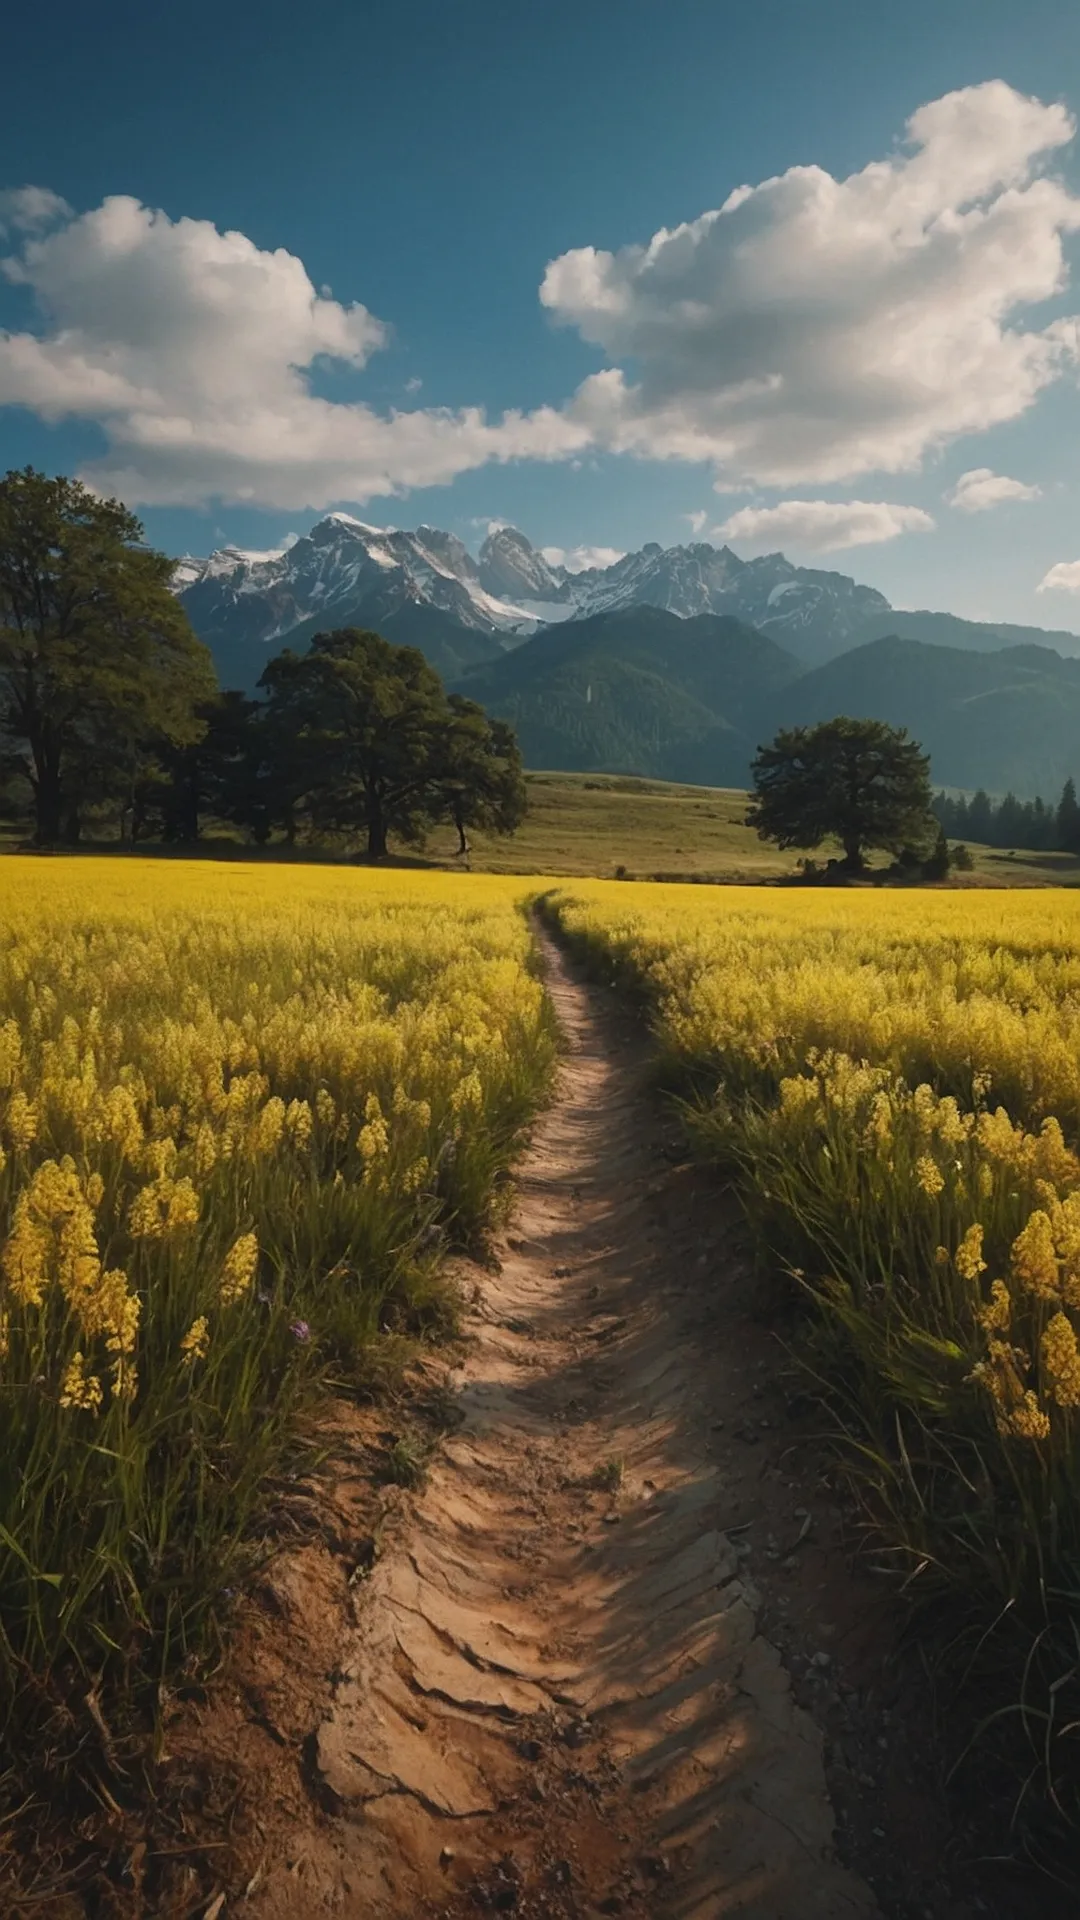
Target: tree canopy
[97,659]
[860,782]
[110,707]
[364,738]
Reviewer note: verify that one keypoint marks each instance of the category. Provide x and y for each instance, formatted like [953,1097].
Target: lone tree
[97,659]
[362,736]
[857,781]
[479,780]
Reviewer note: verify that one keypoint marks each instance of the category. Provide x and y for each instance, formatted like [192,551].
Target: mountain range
[671,661]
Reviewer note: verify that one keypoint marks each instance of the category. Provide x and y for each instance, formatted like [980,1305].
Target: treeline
[1011,822]
[112,722]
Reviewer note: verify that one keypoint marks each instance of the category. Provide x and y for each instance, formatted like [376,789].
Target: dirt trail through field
[557,1701]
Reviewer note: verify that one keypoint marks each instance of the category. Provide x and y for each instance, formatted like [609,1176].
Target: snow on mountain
[511,567]
[345,572]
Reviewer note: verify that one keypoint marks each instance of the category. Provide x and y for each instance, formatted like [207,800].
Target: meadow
[893,1083]
[596,823]
[246,1109]
[244,1112]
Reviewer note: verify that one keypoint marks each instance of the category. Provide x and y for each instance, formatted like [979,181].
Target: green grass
[592,823]
[582,824]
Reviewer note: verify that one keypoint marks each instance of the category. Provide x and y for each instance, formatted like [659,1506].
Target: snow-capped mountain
[425,587]
[806,610]
[345,572]
[341,566]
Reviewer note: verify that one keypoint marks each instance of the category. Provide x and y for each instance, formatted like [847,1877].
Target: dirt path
[557,1701]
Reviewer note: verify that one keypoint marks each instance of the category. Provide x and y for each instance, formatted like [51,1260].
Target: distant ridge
[246,605]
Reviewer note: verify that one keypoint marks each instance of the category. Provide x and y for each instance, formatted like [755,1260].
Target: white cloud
[697,521]
[579,559]
[30,209]
[809,330]
[823,526]
[1063,578]
[194,350]
[813,329]
[981,488]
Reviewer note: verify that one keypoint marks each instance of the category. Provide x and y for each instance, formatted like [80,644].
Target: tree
[857,781]
[1068,819]
[356,723]
[478,778]
[207,777]
[980,820]
[96,654]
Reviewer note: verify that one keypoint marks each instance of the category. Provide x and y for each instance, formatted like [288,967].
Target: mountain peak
[510,567]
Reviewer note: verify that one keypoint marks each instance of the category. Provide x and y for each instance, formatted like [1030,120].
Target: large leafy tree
[96,655]
[359,737]
[478,777]
[357,724]
[857,781]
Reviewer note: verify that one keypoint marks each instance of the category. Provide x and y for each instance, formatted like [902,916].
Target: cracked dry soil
[555,1698]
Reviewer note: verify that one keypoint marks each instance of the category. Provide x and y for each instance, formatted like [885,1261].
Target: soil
[613,1657]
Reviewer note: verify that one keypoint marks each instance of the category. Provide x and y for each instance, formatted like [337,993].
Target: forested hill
[1007,721]
[641,691]
[645,692]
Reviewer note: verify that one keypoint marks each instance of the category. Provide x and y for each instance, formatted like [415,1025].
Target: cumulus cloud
[697,521]
[807,331]
[194,350]
[823,526]
[30,209]
[1062,578]
[981,488]
[812,329]
[580,559]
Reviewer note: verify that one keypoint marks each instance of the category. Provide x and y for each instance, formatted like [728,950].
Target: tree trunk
[853,859]
[48,806]
[73,826]
[462,842]
[376,826]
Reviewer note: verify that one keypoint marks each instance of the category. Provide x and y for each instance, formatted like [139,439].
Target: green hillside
[639,692]
[1004,721]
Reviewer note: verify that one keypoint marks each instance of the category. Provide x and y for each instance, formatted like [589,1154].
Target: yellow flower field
[894,1079]
[243,1109]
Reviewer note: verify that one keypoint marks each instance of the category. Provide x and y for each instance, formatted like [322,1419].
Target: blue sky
[422,168]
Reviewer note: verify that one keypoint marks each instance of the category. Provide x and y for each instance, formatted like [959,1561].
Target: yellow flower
[26,1255]
[996,1316]
[969,1261]
[929,1175]
[238,1269]
[270,1126]
[79,1388]
[159,1157]
[1028,1419]
[21,1121]
[124,1378]
[95,1190]
[373,1139]
[163,1207]
[469,1092]
[1061,1361]
[1034,1258]
[196,1340]
[206,1151]
[298,1123]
